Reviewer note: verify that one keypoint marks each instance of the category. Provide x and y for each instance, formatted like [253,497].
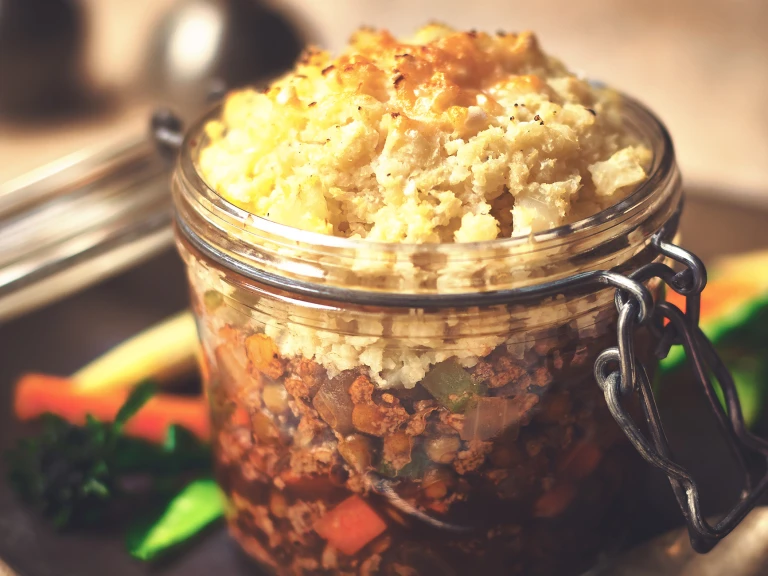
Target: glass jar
[416,409]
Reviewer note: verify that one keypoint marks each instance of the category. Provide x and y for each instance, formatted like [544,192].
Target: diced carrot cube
[350,526]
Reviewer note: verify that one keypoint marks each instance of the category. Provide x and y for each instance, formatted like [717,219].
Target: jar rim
[663,160]
[428,275]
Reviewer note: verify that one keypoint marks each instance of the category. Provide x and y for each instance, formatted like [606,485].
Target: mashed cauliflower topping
[449,137]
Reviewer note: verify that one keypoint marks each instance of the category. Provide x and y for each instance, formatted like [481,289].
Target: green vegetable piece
[747,316]
[137,398]
[198,505]
[77,475]
[749,378]
[64,472]
[739,337]
[181,453]
[451,385]
[414,470]
[212,300]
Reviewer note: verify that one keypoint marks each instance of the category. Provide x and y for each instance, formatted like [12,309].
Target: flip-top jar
[416,408]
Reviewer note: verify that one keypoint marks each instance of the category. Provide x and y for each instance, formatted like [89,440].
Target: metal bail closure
[166,128]
[680,329]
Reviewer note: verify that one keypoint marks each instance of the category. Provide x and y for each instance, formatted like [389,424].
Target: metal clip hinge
[673,327]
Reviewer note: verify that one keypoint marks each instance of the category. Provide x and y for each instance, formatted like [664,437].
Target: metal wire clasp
[631,377]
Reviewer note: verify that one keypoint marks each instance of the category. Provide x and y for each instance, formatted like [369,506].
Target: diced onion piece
[233,370]
[263,354]
[264,429]
[334,405]
[442,449]
[275,398]
[397,450]
[356,450]
[487,418]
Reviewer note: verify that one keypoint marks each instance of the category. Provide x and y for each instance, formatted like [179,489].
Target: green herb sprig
[90,475]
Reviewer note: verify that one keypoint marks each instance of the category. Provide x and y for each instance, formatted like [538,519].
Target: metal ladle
[205,45]
[120,193]
[198,44]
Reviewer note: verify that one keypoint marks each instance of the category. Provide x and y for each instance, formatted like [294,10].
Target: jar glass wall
[417,409]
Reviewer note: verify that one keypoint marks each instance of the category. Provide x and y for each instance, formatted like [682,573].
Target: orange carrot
[37,394]
[674,298]
[350,526]
[718,296]
[240,417]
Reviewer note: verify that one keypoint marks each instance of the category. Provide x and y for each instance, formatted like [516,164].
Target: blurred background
[702,65]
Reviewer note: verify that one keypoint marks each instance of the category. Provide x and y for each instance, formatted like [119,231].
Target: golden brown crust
[437,139]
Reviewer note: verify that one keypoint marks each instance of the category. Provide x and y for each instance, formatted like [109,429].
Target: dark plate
[63,336]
